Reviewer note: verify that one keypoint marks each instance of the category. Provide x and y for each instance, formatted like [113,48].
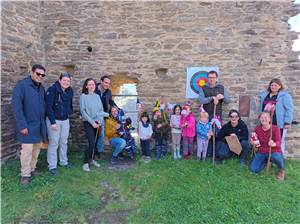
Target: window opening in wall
[126,99]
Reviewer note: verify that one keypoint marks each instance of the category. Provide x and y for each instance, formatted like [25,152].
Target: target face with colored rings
[198,80]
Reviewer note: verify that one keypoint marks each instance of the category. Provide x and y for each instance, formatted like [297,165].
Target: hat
[157,106]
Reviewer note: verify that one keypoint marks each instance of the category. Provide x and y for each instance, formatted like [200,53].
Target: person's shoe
[35,173]
[147,159]
[53,171]
[175,155]
[69,166]
[95,163]
[24,180]
[280,175]
[114,160]
[178,154]
[218,161]
[86,167]
[186,157]
[242,163]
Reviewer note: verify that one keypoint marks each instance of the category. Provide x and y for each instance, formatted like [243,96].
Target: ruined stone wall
[154,43]
[20,47]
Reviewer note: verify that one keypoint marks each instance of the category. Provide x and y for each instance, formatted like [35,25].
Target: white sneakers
[86,166]
[95,163]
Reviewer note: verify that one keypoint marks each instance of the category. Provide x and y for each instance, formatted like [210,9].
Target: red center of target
[201,82]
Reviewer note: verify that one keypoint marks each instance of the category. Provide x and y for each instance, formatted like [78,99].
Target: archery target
[198,80]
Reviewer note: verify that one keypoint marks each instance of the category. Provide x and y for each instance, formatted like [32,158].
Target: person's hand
[118,126]
[220,96]
[232,134]
[216,101]
[54,127]
[159,125]
[287,126]
[272,143]
[95,125]
[24,131]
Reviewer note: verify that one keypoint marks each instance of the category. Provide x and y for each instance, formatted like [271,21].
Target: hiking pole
[96,136]
[214,136]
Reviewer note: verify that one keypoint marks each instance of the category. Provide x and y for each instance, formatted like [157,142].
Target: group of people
[39,113]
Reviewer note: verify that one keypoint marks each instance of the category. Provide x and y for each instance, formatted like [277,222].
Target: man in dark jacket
[28,102]
[213,94]
[106,97]
[235,127]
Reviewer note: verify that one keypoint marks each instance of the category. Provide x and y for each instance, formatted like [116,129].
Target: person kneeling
[267,141]
[235,127]
[111,132]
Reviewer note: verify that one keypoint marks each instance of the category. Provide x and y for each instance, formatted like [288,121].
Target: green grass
[163,191]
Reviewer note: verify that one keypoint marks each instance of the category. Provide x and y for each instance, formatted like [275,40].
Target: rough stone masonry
[151,43]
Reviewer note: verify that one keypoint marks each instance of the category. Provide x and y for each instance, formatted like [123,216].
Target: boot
[178,152]
[174,153]
[280,175]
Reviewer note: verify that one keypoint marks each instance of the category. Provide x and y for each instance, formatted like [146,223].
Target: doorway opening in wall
[126,99]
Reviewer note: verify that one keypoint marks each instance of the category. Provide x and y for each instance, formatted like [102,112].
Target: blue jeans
[118,144]
[161,147]
[145,145]
[223,151]
[100,143]
[260,160]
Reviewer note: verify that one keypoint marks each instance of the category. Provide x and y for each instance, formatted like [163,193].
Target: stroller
[125,133]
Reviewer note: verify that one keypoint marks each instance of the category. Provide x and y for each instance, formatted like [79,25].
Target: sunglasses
[40,74]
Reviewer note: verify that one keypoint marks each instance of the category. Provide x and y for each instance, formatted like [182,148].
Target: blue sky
[295,24]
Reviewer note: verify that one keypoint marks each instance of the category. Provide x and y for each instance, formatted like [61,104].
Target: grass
[163,191]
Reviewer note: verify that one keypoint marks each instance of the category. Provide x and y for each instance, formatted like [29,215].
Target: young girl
[187,124]
[203,135]
[91,110]
[176,131]
[161,129]
[145,133]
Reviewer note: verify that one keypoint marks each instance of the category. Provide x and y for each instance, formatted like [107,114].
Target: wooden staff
[214,135]
[96,136]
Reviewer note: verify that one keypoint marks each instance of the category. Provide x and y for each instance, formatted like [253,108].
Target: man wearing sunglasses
[235,127]
[28,102]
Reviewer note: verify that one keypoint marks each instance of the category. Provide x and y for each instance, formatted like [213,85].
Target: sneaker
[24,180]
[242,163]
[147,159]
[95,163]
[69,166]
[35,173]
[114,160]
[53,171]
[280,175]
[143,157]
[86,167]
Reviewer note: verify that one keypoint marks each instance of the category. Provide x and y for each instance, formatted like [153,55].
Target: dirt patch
[101,215]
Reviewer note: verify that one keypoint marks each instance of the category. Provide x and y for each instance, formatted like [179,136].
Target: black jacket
[241,131]
[106,99]
[59,103]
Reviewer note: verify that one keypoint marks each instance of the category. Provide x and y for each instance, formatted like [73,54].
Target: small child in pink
[187,124]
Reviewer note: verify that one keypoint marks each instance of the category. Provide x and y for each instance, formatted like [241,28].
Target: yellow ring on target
[201,83]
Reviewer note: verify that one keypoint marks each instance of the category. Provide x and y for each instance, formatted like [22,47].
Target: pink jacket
[188,131]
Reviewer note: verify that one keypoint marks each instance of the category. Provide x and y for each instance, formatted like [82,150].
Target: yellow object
[111,128]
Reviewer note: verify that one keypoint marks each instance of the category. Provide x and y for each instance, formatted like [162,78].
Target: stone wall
[20,47]
[154,43]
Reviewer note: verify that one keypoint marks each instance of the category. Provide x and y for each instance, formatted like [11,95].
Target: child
[145,133]
[176,131]
[203,135]
[161,129]
[187,124]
